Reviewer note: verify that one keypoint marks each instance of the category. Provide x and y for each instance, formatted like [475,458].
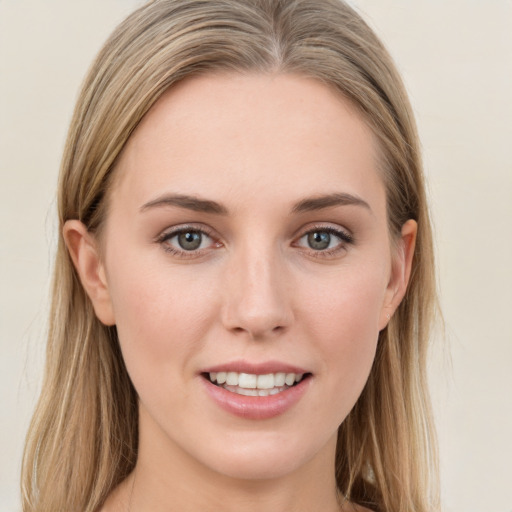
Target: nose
[257,299]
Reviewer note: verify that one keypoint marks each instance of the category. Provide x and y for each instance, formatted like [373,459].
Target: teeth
[232,379]
[279,379]
[262,383]
[289,379]
[255,392]
[248,381]
[247,392]
[266,381]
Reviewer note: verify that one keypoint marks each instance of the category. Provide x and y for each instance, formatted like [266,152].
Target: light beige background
[456,58]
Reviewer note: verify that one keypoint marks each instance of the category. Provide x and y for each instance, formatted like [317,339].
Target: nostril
[256,306]
[258,332]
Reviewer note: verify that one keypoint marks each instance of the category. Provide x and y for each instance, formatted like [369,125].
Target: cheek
[162,314]
[347,301]
[344,322]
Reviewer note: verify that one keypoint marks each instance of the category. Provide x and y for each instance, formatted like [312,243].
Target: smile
[250,384]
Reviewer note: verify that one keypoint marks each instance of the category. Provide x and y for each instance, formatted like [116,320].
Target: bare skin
[275,177]
[120,500]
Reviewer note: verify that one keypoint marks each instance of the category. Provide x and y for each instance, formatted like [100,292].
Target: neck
[236,496]
[168,479]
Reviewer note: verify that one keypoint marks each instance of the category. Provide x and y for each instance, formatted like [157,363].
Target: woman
[244,282]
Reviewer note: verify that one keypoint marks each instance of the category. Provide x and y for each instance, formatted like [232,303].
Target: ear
[84,251]
[400,272]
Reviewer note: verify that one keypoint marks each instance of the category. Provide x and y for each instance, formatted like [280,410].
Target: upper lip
[263,368]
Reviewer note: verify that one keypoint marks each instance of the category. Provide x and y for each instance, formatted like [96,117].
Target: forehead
[273,136]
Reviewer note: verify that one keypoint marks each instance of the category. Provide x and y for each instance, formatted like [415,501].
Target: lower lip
[257,407]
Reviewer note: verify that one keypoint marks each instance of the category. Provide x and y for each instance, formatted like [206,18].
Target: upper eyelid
[344,233]
[345,238]
[163,239]
[320,226]
[176,230]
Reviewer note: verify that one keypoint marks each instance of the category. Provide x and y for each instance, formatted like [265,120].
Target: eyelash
[165,237]
[344,237]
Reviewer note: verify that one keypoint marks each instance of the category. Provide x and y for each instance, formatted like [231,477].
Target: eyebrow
[311,204]
[188,202]
[308,204]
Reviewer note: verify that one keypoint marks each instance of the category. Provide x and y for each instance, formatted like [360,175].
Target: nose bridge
[256,300]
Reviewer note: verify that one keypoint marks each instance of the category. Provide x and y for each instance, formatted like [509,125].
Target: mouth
[251,384]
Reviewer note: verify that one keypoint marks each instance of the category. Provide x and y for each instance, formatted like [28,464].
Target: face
[248,267]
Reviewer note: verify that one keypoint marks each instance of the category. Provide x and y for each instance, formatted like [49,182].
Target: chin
[270,467]
[270,457]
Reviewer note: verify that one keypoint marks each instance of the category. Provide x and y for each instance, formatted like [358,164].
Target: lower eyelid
[344,240]
[204,237]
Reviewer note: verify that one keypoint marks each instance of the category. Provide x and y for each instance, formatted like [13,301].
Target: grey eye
[187,242]
[319,240]
[190,240]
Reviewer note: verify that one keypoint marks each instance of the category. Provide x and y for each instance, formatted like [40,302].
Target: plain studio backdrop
[456,59]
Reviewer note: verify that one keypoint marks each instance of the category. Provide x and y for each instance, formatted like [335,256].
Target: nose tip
[256,301]
[256,330]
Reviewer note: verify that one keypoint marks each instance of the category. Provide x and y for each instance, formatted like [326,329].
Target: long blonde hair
[83,438]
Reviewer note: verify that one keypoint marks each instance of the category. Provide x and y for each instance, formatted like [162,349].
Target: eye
[189,240]
[186,241]
[325,240]
[319,240]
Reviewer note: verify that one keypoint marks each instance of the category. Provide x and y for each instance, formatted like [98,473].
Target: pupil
[190,240]
[319,240]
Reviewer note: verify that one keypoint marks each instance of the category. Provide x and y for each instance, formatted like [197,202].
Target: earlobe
[84,252]
[400,272]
